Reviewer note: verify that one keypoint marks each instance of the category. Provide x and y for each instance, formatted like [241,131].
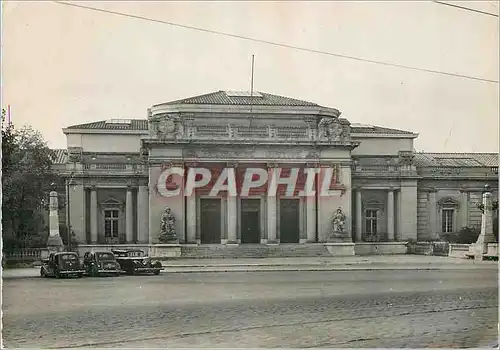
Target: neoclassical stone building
[386,190]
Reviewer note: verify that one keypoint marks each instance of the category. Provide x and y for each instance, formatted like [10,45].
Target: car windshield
[68,257]
[136,253]
[105,256]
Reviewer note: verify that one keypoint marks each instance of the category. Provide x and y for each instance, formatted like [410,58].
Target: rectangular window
[371,222]
[111,223]
[447,220]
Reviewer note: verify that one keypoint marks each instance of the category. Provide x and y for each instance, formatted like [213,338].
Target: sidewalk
[351,263]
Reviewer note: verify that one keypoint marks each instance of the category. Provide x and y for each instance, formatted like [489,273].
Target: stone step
[254,251]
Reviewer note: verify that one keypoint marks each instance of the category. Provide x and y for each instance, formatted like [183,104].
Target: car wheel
[80,275]
[58,275]
[42,272]
[157,272]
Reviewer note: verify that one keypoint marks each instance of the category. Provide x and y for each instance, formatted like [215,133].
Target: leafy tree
[26,174]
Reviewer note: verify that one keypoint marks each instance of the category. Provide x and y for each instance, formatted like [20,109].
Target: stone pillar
[359,216]
[54,242]
[271,210]
[480,248]
[93,215]
[77,210]
[129,216]
[390,215]
[311,218]
[433,220]
[464,209]
[408,210]
[232,219]
[191,218]
[142,214]
[271,219]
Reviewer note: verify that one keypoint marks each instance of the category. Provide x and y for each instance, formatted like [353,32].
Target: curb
[227,268]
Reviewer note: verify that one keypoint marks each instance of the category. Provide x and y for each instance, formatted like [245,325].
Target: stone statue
[166,127]
[338,221]
[167,227]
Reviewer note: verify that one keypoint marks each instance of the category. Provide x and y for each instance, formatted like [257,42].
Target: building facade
[115,172]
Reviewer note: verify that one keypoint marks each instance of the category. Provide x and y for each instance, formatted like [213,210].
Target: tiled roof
[60,156]
[128,124]
[373,129]
[456,159]
[241,98]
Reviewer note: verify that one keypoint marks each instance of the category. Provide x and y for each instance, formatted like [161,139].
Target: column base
[232,243]
[274,242]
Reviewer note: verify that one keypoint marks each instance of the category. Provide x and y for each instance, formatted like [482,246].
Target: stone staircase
[219,251]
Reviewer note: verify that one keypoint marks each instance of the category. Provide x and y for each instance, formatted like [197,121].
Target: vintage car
[134,262]
[62,264]
[101,263]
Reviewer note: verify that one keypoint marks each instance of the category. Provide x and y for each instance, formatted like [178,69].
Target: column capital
[232,164]
[272,165]
[191,164]
[313,165]
[172,164]
[130,188]
[93,188]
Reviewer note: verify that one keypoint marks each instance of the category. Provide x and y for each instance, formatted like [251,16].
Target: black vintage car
[62,264]
[134,262]
[101,263]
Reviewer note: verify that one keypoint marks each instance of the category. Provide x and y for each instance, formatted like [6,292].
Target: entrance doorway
[250,221]
[210,224]
[289,221]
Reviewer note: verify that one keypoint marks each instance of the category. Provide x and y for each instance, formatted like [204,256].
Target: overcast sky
[64,65]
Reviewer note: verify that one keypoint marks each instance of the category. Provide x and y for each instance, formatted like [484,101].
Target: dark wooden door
[250,221]
[210,224]
[289,221]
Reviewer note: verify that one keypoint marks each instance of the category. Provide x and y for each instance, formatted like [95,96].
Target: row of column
[390,216]
[232,219]
[142,215]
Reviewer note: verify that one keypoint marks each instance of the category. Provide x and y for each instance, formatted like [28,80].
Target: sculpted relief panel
[166,127]
[173,126]
[332,129]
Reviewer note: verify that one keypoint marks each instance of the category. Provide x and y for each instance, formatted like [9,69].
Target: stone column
[142,214]
[231,219]
[359,216]
[191,218]
[433,220]
[271,210]
[464,209]
[93,215]
[408,210]
[390,215]
[54,243]
[310,202]
[129,216]
[311,218]
[480,248]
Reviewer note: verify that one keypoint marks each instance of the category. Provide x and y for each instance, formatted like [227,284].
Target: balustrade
[244,132]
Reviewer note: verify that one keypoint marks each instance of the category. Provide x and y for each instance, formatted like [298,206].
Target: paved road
[286,309]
